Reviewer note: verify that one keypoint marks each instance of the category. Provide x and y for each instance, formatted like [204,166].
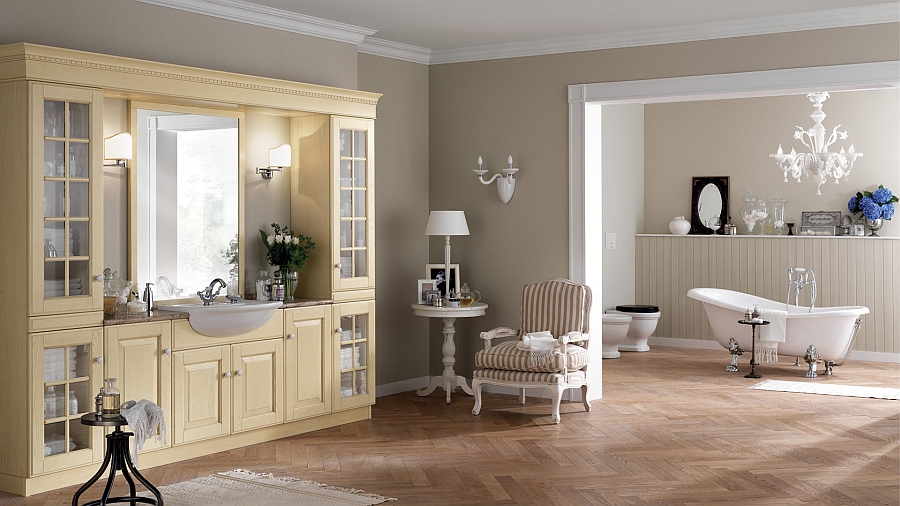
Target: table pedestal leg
[753,373]
[449,380]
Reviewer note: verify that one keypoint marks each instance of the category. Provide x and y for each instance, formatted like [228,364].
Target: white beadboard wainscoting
[850,271]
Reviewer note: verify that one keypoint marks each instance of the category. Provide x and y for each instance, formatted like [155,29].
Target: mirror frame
[697,186]
[133,106]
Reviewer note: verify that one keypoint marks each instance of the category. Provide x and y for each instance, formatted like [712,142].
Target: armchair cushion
[506,356]
[527,377]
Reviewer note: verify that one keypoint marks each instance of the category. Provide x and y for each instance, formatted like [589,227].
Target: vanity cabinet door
[66,375]
[307,362]
[257,384]
[66,198]
[202,394]
[353,184]
[354,354]
[140,357]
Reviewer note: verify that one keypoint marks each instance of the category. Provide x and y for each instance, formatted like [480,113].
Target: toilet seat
[637,308]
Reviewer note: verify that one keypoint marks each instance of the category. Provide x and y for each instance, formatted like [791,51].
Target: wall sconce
[118,148]
[506,184]
[279,158]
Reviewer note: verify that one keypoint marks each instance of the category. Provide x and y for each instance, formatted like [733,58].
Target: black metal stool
[118,458]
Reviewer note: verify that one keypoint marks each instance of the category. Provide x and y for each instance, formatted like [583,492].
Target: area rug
[242,487]
[803,387]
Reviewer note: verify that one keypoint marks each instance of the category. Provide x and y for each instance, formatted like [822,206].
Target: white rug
[803,387]
[242,487]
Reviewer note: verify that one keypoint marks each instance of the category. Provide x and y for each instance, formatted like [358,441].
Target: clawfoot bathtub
[830,329]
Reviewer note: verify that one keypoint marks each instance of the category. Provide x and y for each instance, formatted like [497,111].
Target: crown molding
[832,18]
[278,19]
[396,50]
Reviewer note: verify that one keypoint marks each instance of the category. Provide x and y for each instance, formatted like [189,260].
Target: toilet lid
[638,309]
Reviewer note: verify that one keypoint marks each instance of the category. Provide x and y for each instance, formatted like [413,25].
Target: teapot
[467,296]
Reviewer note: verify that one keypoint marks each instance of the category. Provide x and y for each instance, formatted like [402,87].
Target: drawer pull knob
[168,351]
[292,336]
[240,372]
[228,374]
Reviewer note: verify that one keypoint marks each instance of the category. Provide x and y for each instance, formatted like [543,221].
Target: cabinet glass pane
[345,234]
[54,401]
[345,142]
[361,382]
[79,121]
[80,195]
[346,264]
[78,159]
[54,277]
[55,439]
[346,173]
[79,239]
[58,363]
[79,435]
[359,203]
[79,278]
[359,356]
[359,233]
[348,360]
[346,328]
[54,118]
[359,173]
[346,384]
[345,203]
[54,158]
[54,232]
[81,368]
[361,328]
[359,143]
[54,198]
[359,259]
[80,399]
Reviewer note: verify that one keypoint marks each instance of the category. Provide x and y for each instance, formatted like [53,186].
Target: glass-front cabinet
[354,354]
[66,199]
[354,247]
[67,376]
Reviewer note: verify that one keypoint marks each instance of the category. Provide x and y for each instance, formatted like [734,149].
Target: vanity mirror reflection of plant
[285,249]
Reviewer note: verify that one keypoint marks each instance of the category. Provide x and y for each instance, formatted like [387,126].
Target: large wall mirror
[709,204]
[186,198]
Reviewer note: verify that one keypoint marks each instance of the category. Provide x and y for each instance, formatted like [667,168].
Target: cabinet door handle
[228,374]
[99,278]
[339,266]
[339,330]
[292,336]
[100,360]
[168,351]
[240,372]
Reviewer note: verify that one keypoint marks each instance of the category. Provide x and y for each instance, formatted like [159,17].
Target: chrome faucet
[798,277]
[167,287]
[207,295]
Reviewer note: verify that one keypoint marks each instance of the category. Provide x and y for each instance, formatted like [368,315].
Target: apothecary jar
[754,212]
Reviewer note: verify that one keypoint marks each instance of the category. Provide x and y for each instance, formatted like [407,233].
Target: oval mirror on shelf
[709,199]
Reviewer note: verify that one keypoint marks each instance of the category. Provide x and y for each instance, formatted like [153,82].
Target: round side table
[753,373]
[449,380]
[117,458]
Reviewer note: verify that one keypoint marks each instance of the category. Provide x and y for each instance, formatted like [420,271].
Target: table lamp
[447,223]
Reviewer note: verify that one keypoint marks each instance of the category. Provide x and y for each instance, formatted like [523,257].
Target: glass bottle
[73,403]
[111,399]
[110,295]
[278,287]
[749,213]
[762,212]
[50,403]
[778,214]
[233,282]
[49,249]
[263,285]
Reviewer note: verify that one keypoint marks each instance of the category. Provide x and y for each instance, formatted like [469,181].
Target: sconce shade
[447,223]
[280,156]
[117,147]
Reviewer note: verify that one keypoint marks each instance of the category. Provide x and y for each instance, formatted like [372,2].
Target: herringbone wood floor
[672,429]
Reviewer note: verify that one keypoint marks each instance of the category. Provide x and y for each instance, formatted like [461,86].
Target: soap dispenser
[148,298]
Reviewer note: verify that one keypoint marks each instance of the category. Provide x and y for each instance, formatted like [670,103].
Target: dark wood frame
[697,185]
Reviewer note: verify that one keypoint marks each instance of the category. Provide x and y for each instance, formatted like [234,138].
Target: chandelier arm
[489,181]
[799,136]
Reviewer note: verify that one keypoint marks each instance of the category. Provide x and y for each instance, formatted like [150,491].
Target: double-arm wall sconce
[506,183]
[279,158]
[118,148]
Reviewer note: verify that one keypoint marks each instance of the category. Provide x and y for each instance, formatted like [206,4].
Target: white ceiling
[434,31]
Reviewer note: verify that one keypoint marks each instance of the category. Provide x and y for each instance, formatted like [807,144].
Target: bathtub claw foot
[797,363]
[736,351]
[811,358]
[829,367]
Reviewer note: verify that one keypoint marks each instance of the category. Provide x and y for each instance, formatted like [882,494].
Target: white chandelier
[819,162]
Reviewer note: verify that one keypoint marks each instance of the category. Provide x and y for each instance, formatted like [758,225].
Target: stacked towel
[56,287]
[146,419]
[56,362]
[346,361]
[361,382]
[346,385]
[55,444]
[770,335]
[542,346]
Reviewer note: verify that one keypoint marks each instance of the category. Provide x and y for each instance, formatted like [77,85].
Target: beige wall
[735,137]
[518,106]
[401,211]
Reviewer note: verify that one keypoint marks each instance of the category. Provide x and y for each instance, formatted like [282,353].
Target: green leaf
[265,238]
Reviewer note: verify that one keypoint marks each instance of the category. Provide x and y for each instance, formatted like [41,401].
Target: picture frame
[430,295]
[709,198]
[820,219]
[436,272]
[425,286]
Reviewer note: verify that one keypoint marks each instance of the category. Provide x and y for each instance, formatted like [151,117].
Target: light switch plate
[611,240]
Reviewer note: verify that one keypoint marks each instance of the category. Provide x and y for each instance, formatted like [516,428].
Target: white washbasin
[223,319]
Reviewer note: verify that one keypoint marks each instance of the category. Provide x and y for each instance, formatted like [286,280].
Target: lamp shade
[117,147]
[447,223]
[280,156]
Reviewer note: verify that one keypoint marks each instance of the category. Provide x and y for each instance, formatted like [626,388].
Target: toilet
[615,328]
[643,323]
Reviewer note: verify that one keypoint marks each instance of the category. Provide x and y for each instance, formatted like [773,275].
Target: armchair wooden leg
[584,397]
[476,389]
[521,396]
[556,392]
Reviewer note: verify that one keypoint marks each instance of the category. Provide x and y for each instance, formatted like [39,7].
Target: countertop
[162,315]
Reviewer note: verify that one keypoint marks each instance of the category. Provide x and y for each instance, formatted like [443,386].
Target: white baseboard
[868,356]
[402,386]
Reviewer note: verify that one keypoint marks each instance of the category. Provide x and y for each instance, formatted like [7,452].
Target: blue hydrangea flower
[851,206]
[887,211]
[882,195]
[870,209]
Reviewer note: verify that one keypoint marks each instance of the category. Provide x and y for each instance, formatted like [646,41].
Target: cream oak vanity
[310,366]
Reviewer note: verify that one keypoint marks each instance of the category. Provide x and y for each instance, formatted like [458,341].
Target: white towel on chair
[770,335]
[541,345]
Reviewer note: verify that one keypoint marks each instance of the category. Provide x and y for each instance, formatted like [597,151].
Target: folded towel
[541,345]
[770,335]
[145,419]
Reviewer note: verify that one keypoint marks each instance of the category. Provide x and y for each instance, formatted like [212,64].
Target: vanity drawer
[184,337]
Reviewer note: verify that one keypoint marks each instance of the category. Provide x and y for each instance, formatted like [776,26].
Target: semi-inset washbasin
[223,319]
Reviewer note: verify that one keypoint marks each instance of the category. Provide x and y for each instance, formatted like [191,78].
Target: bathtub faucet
[798,277]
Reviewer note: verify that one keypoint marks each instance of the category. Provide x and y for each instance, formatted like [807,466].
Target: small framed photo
[425,286]
[436,273]
[431,295]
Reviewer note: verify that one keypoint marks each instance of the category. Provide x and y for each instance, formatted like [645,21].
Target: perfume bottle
[111,399]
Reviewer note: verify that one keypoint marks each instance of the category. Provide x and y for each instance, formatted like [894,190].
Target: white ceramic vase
[679,226]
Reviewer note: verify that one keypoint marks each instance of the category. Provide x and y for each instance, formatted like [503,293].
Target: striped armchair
[560,307]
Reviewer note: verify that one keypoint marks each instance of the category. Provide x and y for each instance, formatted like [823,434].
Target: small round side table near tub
[117,458]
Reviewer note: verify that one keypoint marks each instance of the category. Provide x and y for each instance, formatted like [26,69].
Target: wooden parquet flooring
[672,429]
